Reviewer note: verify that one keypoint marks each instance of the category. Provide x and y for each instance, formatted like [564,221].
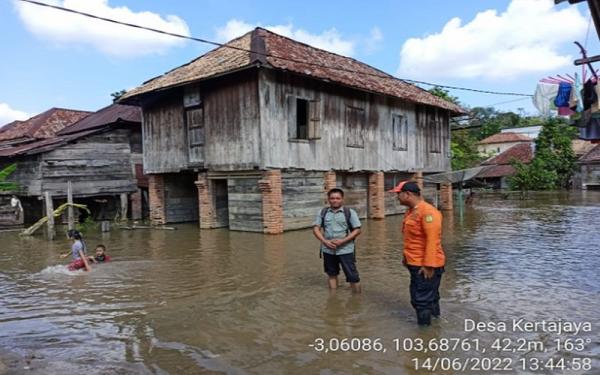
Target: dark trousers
[425,294]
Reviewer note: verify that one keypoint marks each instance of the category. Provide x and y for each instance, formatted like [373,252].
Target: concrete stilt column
[376,196]
[446,197]
[136,205]
[206,202]
[272,201]
[156,196]
[418,178]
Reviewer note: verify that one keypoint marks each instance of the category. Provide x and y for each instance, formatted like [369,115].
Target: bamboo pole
[70,210]
[50,215]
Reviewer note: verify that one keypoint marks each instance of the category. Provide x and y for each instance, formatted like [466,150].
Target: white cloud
[116,40]
[523,39]
[8,114]
[329,40]
[373,42]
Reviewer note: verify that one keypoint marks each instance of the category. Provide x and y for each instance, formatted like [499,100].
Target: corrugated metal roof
[355,74]
[43,145]
[111,114]
[505,138]
[44,125]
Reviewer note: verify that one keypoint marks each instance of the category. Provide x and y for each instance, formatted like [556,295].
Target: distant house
[590,169]
[101,154]
[528,131]
[500,168]
[500,142]
[42,126]
[251,134]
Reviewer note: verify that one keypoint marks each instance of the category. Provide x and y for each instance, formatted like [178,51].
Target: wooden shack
[100,155]
[589,175]
[250,135]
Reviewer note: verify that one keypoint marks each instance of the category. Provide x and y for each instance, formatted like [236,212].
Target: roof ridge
[223,45]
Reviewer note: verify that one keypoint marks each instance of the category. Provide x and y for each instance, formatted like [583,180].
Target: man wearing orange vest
[423,253]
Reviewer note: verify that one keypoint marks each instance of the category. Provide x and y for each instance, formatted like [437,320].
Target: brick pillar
[206,202]
[272,201]
[329,182]
[446,197]
[376,196]
[418,178]
[156,195]
[136,205]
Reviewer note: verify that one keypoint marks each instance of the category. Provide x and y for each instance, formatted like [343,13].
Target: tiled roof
[497,171]
[522,152]
[581,147]
[505,138]
[44,125]
[592,156]
[276,51]
[111,114]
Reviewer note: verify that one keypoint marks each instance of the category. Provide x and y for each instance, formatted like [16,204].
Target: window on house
[195,125]
[355,127]
[498,149]
[435,129]
[301,119]
[400,132]
[304,119]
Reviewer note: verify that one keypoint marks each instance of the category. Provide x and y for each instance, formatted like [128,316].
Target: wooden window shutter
[291,111]
[314,123]
[195,123]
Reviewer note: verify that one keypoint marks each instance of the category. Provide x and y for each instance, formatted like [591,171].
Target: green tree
[554,162]
[4,173]
[464,150]
[444,94]
[117,95]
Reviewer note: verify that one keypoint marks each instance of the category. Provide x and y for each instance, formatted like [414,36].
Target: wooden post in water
[70,210]
[50,215]
[124,204]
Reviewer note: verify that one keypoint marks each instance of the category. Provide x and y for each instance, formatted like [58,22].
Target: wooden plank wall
[99,164]
[181,198]
[245,205]
[221,191]
[355,187]
[164,138]
[331,151]
[392,206]
[303,198]
[590,174]
[231,119]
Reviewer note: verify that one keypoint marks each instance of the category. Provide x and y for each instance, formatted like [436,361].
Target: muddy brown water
[195,302]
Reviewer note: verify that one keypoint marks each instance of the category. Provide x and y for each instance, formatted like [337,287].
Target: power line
[217,44]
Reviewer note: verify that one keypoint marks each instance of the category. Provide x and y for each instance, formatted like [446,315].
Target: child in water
[78,248]
[100,256]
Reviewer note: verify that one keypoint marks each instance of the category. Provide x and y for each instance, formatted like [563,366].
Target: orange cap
[410,186]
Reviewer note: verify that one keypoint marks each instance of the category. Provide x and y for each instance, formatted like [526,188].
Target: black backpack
[349,227]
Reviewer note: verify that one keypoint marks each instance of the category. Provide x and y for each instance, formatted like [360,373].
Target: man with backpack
[337,227]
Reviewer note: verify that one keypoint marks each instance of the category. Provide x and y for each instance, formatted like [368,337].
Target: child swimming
[100,256]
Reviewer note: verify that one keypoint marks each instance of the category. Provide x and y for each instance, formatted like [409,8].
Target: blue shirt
[337,228]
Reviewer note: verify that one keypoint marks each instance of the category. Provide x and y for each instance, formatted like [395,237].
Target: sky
[54,59]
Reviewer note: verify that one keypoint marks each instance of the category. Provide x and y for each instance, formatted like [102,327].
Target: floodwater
[196,302]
